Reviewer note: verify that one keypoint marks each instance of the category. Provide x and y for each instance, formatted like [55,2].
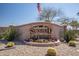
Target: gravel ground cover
[25,50]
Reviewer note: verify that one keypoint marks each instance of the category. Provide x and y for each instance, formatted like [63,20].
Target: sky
[23,13]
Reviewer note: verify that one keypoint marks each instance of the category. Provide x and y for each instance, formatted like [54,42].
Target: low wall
[43,44]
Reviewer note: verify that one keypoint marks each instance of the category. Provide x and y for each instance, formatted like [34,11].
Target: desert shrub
[34,40]
[10,34]
[51,52]
[69,35]
[45,41]
[39,41]
[10,44]
[76,31]
[0,37]
[72,43]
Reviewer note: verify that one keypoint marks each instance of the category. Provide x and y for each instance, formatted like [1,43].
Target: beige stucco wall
[24,30]
[56,31]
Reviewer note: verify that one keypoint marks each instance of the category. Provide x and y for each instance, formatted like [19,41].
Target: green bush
[72,43]
[10,44]
[10,34]
[51,52]
[0,36]
[69,35]
[45,41]
[39,41]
